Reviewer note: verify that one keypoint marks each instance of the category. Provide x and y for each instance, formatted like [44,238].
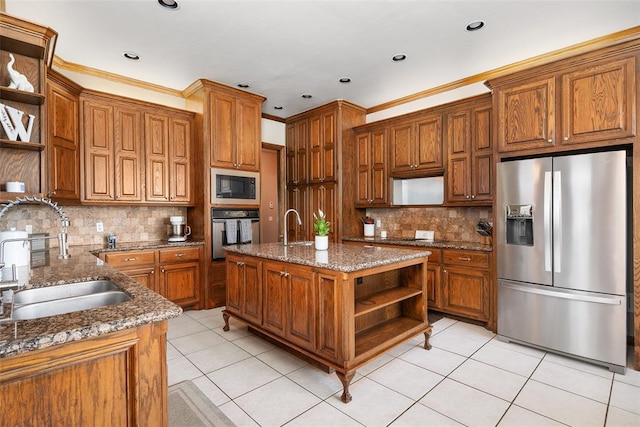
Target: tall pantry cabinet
[227,135]
[318,177]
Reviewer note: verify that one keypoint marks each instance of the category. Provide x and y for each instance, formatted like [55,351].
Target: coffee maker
[179,230]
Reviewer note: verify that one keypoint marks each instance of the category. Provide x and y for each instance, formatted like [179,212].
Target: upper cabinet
[296,145]
[232,122]
[25,51]
[469,152]
[416,147]
[63,105]
[581,102]
[372,186]
[135,152]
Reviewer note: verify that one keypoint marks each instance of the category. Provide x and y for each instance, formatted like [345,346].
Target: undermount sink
[301,243]
[68,290]
[67,305]
[67,298]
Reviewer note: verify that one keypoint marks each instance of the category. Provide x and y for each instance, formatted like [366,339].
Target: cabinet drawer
[130,259]
[466,258]
[435,257]
[179,255]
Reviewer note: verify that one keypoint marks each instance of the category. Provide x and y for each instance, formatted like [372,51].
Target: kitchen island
[339,308]
[103,366]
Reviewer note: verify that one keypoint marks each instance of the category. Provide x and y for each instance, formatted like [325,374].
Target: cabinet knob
[464,258]
[180,254]
[473,196]
[566,138]
[550,141]
[153,271]
[131,259]
[162,270]
[240,263]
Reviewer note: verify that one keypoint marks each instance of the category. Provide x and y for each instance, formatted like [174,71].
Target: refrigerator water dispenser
[519,224]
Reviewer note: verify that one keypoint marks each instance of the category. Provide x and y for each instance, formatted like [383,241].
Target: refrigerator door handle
[558,294]
[547,221]
[557,217]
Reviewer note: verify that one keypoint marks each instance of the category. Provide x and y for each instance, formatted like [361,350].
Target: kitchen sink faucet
[284,222]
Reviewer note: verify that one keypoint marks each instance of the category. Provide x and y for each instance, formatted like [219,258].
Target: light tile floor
[467,378]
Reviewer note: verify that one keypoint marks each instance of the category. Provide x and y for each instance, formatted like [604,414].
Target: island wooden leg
[225,316]
[427,336]
[345,379]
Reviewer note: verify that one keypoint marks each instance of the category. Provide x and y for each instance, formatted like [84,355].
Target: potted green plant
[321,227]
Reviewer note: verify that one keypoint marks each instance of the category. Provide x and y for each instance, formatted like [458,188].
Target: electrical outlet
[99,227]
[378,223]
[28,228]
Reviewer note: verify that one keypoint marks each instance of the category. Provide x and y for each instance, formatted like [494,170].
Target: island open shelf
[340,310]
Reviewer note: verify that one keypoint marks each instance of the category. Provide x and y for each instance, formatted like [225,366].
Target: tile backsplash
[129,223]
[458,224]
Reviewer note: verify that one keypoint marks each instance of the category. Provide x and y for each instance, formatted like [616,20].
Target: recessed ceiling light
[131,55]
[345,80]
[278,107]
[398,58]
[169,4]
[243,85]
[307,96]
[475,25]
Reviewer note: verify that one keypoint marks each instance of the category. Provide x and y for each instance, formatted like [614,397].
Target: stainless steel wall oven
[233,227]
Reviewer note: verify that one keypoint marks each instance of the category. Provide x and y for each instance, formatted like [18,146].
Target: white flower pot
[322,243]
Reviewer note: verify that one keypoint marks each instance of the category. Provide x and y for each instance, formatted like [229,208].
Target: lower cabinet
[115,379]
[465,284]
[244,287]
[174,273]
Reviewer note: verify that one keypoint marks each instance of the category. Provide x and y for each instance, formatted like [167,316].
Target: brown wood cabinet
[135,155]
[314,177]
[289,302]
[63,104]
[115,379]
[174,273]
[372,187]
[416,147]
[470,162]
[584,101]
[244,287]
[23,154]
[466,284]
[235,130]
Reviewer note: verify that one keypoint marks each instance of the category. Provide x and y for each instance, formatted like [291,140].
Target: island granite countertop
[144,307]
[436,244]
[339,257]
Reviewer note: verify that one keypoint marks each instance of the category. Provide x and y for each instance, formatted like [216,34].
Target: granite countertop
[339,257]
[144,307]
[138,246]
[436,244]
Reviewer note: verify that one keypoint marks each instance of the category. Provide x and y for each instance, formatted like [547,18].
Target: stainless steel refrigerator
[562,255]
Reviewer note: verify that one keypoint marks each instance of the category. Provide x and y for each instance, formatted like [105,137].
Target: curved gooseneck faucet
[285,223]
[62,237]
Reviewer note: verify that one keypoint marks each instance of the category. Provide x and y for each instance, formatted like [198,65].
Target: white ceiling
[284,49]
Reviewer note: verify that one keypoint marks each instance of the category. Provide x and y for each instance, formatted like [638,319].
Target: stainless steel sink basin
[68,290]
[302,243]
[67,305]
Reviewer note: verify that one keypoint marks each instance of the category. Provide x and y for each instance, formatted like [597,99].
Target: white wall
[273,132]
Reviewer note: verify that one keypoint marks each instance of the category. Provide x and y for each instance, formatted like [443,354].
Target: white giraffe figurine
[18,81]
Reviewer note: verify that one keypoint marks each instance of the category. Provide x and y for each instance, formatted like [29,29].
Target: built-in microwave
[234,187]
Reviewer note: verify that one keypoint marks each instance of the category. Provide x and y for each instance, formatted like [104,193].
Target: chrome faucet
[285,223]
[62,236]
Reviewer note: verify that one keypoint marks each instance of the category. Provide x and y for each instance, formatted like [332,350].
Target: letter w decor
[11,119]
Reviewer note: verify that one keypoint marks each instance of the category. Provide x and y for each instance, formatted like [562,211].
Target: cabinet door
[180,283]
[322,136]
[223,115]
[301,308]
[64,143]
[401,143]
[323,197]
[144,276]
[252,290]
[297,199]
[128,146]
[379,173]
[482,154]
[433,286]
[157,152]
[466,292]
[598,102]
[526,115]
[459,156]
[98,149]
[330,327]
[235,279]
[275,298]
[364,162]
[248,137]
[428,144]
[179,160]
[297,152]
